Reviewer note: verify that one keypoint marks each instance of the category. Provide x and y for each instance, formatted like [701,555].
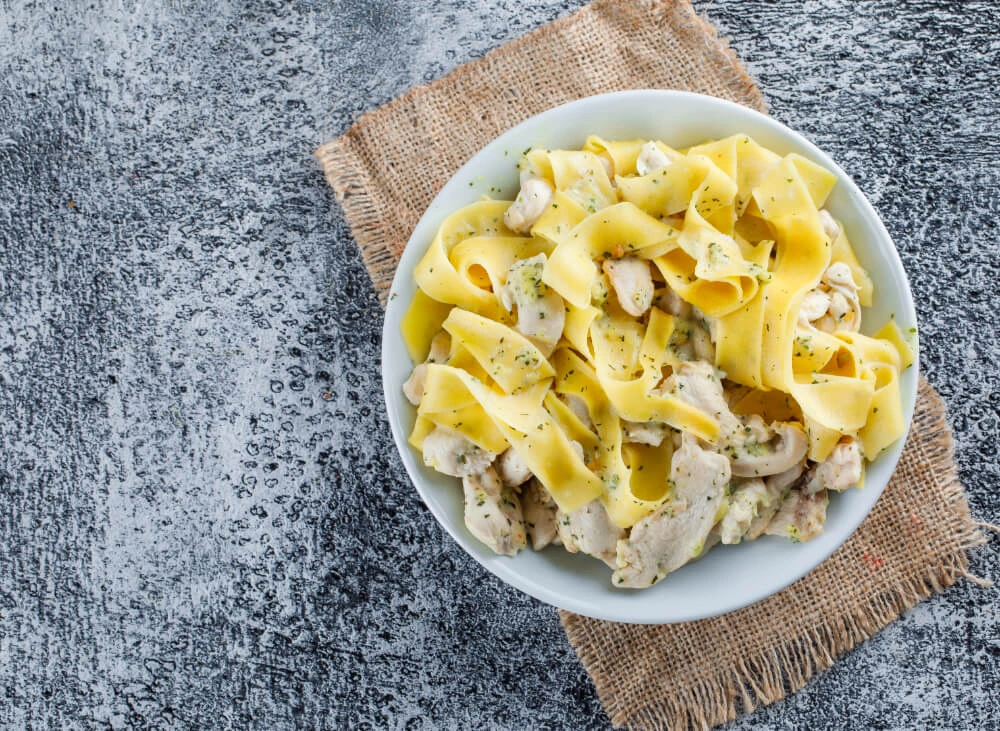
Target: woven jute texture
[386,169]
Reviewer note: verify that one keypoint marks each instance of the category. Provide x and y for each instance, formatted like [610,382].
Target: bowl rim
[505,568]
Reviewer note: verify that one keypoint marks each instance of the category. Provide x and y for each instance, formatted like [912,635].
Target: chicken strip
[448,451]
[801,516]
[651,158]
[644,432]
[633,283]
[833,305]
[839,471]
[696,383]
[529,205]
[413,389]
[512,467]
[778,487]
[830,226]
[541,312]
[493,513]
[539,515]
[690,341]
[589,530]
[677,532]
[744,504]
[669,301]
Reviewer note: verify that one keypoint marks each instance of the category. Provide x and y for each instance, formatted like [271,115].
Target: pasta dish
[649,352]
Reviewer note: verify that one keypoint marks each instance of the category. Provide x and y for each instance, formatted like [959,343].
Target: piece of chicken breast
[413,389]
[493,513]
[839,471]
[632,281]
[448,451]
[678,530]
[651,158]
[801,516]
[529,205]
[541,312]
[512,468]
[590,530]
[539,511]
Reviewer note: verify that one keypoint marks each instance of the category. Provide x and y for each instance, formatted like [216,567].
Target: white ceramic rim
[467,185]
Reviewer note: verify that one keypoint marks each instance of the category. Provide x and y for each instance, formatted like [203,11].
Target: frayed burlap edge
[381,232]
[785,668]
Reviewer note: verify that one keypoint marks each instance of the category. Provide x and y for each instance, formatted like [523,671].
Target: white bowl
[728,577]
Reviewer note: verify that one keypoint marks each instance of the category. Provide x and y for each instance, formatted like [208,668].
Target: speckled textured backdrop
[203,522]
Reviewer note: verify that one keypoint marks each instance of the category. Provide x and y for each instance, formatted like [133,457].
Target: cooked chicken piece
[830,226]
[839,275]
[697,384]
[677,532]
[493,513]
[753,455]
[539,515]
[440,348]
[541,312]
[833,305]
[744,504]
[512,468]
[691,341]
[448,451]
[839,306]
[801,516]
[760,460]
[845,307]
[701,343]
[529,205]
[645,432]
[633,283]
[414,386]
[839,471]
[590,530]
[651,158]
[670,302]
[845,310]
[814,305]
[778,487]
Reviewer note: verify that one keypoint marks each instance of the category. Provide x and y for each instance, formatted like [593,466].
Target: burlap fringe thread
[783,670]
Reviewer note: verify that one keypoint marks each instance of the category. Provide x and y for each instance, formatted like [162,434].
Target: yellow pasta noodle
[708,310]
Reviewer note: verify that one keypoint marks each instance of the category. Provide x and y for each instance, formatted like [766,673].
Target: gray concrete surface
[203,522]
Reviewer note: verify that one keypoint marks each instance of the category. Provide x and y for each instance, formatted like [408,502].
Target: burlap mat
[386,169]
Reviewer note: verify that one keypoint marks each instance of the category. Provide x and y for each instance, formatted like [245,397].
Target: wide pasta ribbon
[523,422]
[508,357]
[616,231]
[634,396]
[734,230]
[627,494]
[439,278]
[707,267]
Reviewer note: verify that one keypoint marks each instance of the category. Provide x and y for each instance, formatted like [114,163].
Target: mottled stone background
[203,522]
